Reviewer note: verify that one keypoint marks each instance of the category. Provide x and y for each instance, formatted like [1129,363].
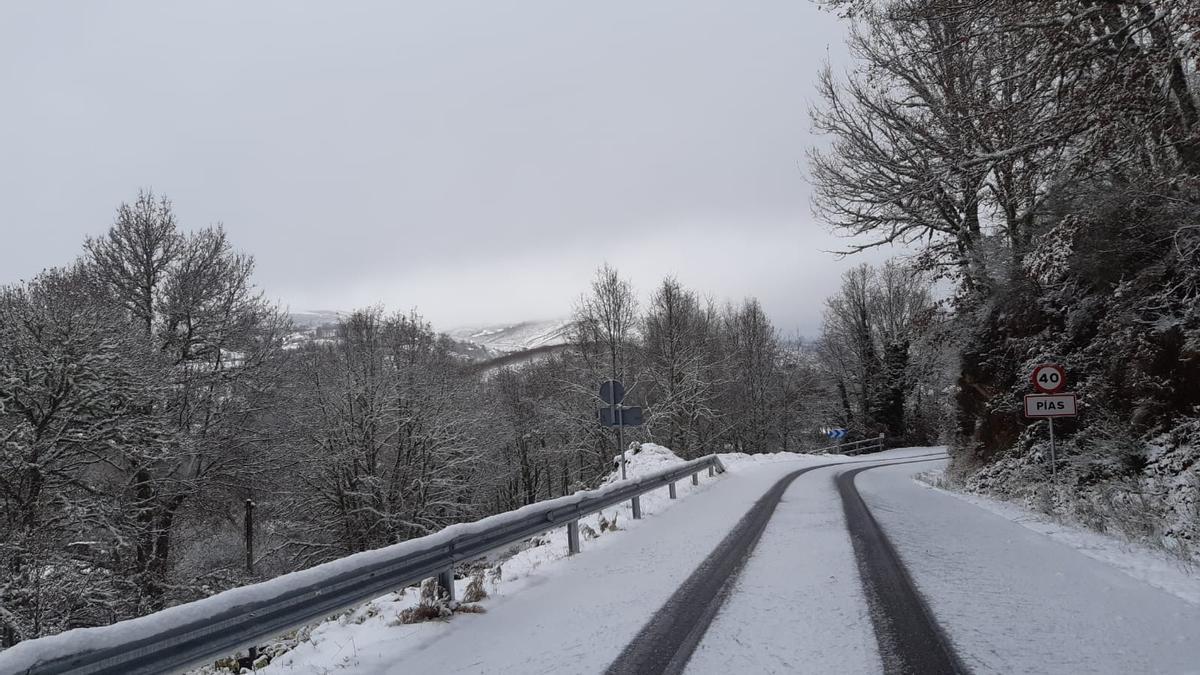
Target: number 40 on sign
[1049,378]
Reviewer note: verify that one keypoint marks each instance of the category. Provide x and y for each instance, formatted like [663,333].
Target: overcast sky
[475,160]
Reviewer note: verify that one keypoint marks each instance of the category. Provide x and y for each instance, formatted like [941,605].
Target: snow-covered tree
[77,407]
[680,341]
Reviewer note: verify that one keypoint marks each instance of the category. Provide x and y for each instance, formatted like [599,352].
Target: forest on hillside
[163,440]
[1043,159]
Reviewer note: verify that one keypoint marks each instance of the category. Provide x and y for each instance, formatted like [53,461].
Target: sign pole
[1053,461]
[612,393]
[1049,379]
[620,437]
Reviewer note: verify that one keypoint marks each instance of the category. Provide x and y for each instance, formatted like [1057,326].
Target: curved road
[856,568]
[909,638]
[816,569]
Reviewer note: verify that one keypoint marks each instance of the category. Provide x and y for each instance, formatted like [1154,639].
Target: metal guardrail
[192,634]
[856,447]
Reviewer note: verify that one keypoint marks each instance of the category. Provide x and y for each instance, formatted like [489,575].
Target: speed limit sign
[1049,378]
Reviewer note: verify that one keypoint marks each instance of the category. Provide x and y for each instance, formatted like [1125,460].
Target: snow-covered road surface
[798,606]
[668,640]
[1013,600]
[1008,599]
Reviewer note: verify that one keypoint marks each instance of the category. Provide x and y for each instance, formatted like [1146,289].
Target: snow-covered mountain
[316,317]
[515,337]
[476,343]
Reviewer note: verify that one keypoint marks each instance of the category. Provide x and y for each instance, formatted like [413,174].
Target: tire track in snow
[667,641]
[910,640]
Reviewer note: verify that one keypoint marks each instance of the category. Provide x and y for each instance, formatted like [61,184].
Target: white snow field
[1014,600]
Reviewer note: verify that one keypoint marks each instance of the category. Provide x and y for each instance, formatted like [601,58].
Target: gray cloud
[476,160]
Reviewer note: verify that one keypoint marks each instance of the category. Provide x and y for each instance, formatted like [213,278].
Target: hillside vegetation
[1045,159]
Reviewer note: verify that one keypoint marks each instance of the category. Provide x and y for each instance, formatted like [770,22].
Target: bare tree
[965,115]
[602,332]
[385,445]
[216,340]
[869,333]
[76,406]
[679,338]
[604,321]
[753,361]
[134,257]
[849,347]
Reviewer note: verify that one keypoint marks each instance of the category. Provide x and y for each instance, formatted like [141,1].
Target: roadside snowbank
[1146,489]
[1152,566]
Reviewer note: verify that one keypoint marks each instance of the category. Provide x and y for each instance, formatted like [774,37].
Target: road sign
[631,416]
[1050,405]
[608,417]
[837,434]
[612,392]
[1049,378]
[626,417]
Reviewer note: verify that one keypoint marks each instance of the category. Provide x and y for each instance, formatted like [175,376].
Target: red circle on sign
[1048,378]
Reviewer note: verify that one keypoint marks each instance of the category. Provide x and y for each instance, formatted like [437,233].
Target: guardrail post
[711,472]
[671,489]
[573,537]
[881,442]
[445,579]
[695,479]
[637,508]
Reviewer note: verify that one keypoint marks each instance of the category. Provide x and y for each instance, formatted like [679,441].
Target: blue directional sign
[837,434]
[612,392]
[626,417]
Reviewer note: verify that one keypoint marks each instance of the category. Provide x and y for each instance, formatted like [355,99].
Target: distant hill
[477,344]
[315,318]
[515,337]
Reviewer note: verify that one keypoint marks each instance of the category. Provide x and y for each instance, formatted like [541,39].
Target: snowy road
[1009,599]
[799,606]
[669,639]
[1015,601]
[887,575]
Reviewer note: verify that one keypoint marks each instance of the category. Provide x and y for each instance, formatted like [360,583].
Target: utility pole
[249,536]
